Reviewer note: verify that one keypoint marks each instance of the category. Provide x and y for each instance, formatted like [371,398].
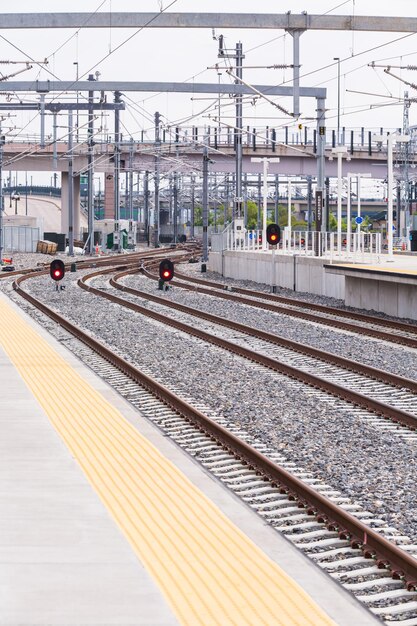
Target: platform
[388,287]
[104,521]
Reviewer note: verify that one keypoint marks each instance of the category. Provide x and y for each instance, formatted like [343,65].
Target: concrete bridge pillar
[109,197]
[65,205]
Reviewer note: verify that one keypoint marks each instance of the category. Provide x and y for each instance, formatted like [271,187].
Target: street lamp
[391,138]
[338,99]
[266,161]
[340,152]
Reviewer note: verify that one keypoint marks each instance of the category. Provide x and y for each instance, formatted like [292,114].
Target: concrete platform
[64,559]
[388,287]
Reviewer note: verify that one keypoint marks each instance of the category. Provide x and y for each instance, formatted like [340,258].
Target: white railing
[357,248]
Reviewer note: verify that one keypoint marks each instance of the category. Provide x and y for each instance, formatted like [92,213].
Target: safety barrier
[358,247]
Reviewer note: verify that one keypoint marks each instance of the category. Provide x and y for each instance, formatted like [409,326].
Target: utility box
[239,230]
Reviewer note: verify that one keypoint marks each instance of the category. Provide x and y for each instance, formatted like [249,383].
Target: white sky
[178,55]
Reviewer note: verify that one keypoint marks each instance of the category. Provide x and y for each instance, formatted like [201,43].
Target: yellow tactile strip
[209,571]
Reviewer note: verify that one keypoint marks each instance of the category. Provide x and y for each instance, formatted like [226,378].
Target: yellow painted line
[209,571]
[377,268]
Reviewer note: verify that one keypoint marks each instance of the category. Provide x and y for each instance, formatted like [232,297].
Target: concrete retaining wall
[393,298]
[298,273]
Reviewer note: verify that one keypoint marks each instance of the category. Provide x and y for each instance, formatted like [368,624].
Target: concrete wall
[392,298]
[298,273]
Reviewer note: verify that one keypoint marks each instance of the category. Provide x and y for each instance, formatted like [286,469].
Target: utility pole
[338,99]
[205,202]
[239,133]
[116,233]
[175,206]
[130,195]
[156,180]
[258,216]
[192,218]
[90,165]
[70,187]
[226,200]
[146,205]
[78,118]
[309,202]
[238,56]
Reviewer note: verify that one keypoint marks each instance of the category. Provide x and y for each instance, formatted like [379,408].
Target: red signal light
[166,270]
[57,269]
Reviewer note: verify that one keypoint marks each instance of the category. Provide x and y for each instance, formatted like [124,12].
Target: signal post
[273,236]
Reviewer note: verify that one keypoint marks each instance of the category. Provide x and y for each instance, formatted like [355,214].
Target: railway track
[369,558]
[370,326]
[375,392]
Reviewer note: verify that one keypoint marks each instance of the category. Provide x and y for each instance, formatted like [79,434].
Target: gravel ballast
[318,435]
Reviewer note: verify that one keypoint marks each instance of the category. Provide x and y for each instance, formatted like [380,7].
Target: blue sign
[359,220]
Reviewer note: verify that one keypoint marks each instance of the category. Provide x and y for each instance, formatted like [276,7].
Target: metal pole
[70,188]
[348,214]
[55,148]
[156,181]
[296,71]
[265,206]
[205,203]
[146,205]
[192,217]
[339,203]
[131,186]
[78,119]
[90,173]
[390,139]
[289,214]
[338,99]
[321,140]
[226,201]
[42,141]
[258,217]
[309,203]
[238,133]
[276,199]
[175,206]
[26,187]
[116,234]
[359,210]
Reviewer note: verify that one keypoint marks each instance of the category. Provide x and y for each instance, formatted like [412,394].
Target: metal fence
[20,238]
[354,248]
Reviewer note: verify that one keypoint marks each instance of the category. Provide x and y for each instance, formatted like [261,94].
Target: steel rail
[362,317]
[386,554]
[304,315]
[397,415]
[327,357]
